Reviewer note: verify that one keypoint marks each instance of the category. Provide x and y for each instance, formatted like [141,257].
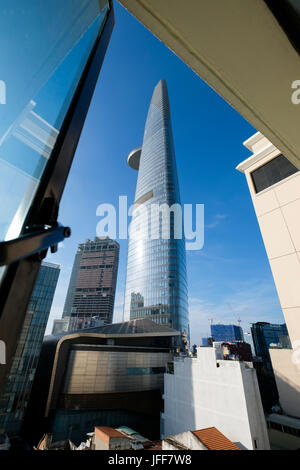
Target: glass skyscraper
[264,335]
[227,333]
[156,285]
[17,388]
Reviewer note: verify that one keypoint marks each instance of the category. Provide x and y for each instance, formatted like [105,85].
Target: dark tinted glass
[272,172]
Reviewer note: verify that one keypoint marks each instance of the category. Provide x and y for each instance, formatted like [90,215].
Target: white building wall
[186,439]
[278,213]
[204,392]
[277,209]
[287,377]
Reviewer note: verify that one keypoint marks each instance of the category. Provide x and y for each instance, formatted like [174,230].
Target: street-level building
[208,391]
[106,376]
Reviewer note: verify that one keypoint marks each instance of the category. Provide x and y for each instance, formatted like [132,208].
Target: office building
[249,339]
[274,185]
[264,335]
[92,287]
[111,375]
[209,391]
[17,389]
[228,333]
[156,285]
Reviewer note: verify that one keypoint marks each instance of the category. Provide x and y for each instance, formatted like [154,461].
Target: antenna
[239,321]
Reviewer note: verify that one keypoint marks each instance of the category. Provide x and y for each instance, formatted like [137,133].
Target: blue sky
[230,277]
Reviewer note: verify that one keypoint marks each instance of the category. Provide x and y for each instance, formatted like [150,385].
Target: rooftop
[50,265]
[260,147]
[213,439]
[110,432]
[143,325]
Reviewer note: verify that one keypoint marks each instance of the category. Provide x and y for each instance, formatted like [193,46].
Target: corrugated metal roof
[213,439]
[132,433]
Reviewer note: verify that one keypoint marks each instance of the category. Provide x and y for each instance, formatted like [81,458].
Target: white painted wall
[277,209]
[278,213]
[204,392]
[287,377]
[187,439]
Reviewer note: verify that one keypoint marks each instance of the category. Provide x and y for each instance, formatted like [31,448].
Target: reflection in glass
[44,49]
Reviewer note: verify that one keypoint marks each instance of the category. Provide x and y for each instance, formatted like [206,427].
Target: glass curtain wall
[156,285]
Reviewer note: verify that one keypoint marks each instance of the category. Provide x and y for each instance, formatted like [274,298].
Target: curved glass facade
[156,285]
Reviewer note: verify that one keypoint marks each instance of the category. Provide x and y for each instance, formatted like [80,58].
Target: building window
[41,86]
[272,172]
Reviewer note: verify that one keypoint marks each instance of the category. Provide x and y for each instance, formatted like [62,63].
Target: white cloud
[216,221]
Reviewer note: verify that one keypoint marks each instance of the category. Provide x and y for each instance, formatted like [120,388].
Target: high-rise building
[249,339]
[16,392]
[264,335]
[228,333]
[92,287]
[156,285]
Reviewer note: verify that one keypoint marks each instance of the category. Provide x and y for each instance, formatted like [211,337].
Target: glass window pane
[272,172]
[44,49]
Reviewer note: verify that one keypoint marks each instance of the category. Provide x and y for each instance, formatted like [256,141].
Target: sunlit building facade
[91,293]
[156,284]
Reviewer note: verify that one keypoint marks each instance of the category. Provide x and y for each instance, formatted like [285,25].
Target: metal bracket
[38,239]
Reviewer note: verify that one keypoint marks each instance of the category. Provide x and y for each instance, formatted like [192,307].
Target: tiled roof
[110,432]
[213,439]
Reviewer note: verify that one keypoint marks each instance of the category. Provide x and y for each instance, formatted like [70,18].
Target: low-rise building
[105,376]
[205,391]
[107,438]
[203,439]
